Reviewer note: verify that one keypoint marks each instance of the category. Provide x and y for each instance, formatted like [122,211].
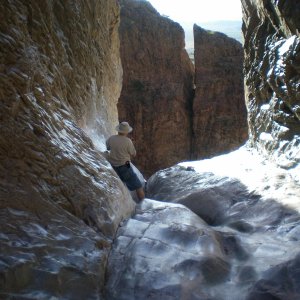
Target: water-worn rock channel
[223,228]
[232,243]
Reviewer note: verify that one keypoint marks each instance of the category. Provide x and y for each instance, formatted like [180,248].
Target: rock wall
[272,70]
[157,97]
[157,86]
[61,203]
[220,117]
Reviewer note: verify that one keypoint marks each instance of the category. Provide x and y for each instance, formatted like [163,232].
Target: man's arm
[131,149]
[107,144]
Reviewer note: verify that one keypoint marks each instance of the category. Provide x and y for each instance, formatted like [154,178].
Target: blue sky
[193,11]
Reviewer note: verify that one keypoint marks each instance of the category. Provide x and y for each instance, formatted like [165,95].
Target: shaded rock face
[157,97]
[60,200]
[157,86]
[272,60]
[220,117]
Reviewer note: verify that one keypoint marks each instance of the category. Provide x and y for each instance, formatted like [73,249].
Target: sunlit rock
[254,206]
[165,252]
[227,179]
[272,77]
[60,201]
[171,124]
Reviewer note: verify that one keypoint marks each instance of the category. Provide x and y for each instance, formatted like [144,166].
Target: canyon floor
[222,228]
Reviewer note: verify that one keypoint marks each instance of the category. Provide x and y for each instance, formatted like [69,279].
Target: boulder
[253,208]
[165,252]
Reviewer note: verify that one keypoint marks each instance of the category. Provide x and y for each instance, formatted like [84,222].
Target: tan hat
[124,127]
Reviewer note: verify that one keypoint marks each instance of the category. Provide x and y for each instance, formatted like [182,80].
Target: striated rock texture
[157,91]
[60,201]
[272,69]
[220,117]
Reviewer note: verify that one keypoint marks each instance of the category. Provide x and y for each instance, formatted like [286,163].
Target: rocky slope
[272,61]
[220,117]
[61,203]
[157,86]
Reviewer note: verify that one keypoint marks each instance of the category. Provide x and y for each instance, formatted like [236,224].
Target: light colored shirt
[121,149]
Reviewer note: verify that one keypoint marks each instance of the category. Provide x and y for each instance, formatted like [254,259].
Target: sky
[193,11]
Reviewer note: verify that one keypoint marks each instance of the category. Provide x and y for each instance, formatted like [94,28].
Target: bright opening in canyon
[217,15]
[199,10]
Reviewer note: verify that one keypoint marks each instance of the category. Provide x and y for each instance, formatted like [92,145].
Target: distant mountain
[231,28]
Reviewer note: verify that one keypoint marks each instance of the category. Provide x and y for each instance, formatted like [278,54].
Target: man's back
[121,149]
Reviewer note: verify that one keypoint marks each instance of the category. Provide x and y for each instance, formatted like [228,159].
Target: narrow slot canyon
[179,111]
[218,141]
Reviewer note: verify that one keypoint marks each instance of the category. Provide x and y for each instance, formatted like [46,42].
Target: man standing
[121,151]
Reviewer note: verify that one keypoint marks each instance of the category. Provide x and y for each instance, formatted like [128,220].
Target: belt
[127,164]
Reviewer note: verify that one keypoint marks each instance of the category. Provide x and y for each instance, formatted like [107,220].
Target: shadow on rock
[219,200]
[240,246]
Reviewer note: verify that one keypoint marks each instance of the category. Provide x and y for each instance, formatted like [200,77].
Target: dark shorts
[127,175]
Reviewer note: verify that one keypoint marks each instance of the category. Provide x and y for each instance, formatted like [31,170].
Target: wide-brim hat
[124,127]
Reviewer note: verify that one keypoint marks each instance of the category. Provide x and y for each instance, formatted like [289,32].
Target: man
[121,151]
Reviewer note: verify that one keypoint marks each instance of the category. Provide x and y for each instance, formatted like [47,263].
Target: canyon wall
[272,77]
[220,117]
[157,91]
[61,203]
[157,97]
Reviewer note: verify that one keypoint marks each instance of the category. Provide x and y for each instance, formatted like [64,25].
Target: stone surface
[220,117]
[157,91]
[60,201]
[165,252]
[45,252]
[272,70]
[254,208]
[248,248]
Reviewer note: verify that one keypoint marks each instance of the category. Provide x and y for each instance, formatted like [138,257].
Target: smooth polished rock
[162,252]
[47,253]
[166,252]
[254,207]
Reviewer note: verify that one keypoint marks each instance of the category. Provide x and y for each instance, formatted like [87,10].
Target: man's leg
[140,193]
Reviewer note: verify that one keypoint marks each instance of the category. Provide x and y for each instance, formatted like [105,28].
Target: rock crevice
[157,85]
[172,121]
